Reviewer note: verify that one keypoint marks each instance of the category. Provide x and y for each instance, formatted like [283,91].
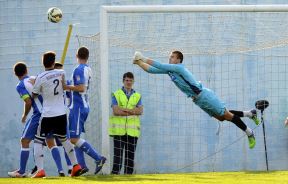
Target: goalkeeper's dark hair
[48,59]
[179,55]
[83,53]
[128,75]
[20,69]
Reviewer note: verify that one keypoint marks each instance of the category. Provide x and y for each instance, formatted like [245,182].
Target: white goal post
[104,43]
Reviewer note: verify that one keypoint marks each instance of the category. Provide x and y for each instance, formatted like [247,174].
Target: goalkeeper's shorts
[210,103]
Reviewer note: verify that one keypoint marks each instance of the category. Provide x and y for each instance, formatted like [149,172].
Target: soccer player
[203,97]
[79,110]
[50,84]
[58,143]
[24,88]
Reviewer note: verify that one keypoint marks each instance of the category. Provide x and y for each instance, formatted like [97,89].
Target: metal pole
[66,44]
[263,126]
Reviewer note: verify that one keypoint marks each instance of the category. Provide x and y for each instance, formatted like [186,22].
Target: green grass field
[275,177]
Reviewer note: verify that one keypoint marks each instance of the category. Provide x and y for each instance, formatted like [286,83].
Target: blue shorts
[77,118]
[210,103]
[31,127]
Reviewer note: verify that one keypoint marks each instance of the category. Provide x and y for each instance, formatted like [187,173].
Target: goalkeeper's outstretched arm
[145,64]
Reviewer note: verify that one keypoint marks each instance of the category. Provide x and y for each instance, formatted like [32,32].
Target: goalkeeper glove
[139,56]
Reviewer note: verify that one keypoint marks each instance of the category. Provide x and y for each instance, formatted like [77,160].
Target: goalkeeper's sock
[247,114]
[24,155]
[238,113]
[242,113]
[238,122]
[248,131]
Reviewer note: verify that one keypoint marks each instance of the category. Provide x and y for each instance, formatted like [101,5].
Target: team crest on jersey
[171,76]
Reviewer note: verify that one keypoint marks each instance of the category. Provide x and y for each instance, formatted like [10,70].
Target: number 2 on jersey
[56,82]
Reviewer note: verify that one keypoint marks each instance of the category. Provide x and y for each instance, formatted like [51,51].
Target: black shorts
[54,126]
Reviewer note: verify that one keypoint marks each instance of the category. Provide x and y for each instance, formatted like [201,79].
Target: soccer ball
[54,15]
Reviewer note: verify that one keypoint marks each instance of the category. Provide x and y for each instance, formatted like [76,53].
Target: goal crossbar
[195,8]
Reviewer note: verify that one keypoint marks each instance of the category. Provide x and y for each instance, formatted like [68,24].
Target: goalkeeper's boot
[254,117]
[252,141]
[16,174]
[39,174]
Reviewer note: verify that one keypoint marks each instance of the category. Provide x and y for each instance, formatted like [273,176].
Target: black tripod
[261,105]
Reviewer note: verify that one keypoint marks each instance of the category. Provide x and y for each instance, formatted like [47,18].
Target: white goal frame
[104,46]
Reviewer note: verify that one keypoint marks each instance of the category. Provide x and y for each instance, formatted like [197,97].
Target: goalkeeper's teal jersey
[180,75]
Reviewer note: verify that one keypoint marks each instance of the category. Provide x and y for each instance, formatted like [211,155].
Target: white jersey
[49,85]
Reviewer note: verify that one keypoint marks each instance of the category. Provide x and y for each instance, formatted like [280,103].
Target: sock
[248,131]
[80,157]
[69,149]
[88,149]
[68,162]
[56,156]
[238,113]
[39,155]
[247,114]
[238,122]
[24,155]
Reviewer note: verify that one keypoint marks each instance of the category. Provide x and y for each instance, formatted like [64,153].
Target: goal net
[241,56]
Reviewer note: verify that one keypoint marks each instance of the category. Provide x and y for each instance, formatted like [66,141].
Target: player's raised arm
[141,62]
[165,68]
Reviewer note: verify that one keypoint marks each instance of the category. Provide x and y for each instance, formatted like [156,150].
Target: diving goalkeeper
[205,98]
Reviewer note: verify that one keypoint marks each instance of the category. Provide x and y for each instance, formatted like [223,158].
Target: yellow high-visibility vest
[121,125]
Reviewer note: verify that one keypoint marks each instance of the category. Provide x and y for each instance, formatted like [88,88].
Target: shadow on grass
[260,172]
[119,178]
